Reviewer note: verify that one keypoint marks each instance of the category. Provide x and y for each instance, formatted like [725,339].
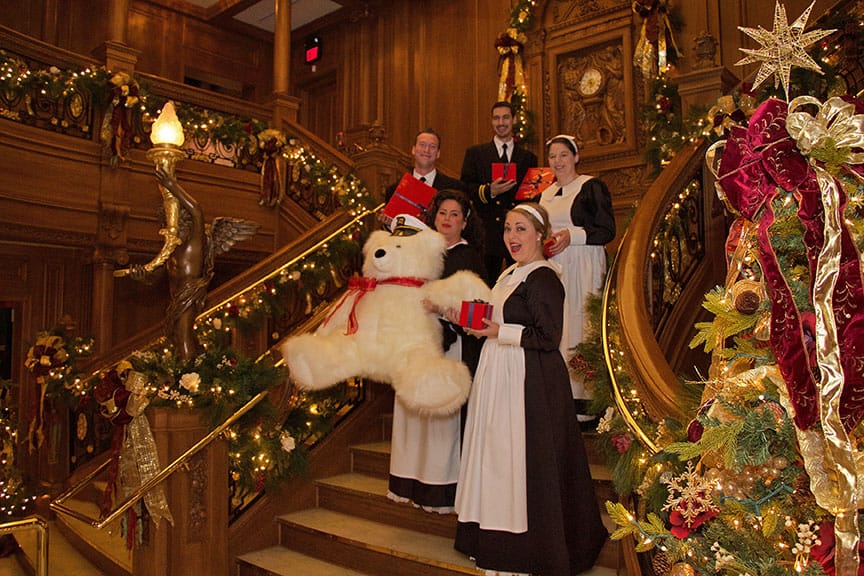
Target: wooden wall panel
[176,45]
[25,16]
[410,66]
[81,24]
[158,34]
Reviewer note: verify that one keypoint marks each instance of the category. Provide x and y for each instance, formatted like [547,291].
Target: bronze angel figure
[191,246]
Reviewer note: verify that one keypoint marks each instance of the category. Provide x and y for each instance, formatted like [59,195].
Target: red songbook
[536,180]
[410,197]
[506,170]
[472,313]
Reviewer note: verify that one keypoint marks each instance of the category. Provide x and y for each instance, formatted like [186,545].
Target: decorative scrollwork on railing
[49,103]
[301,187]
[679,245]
[203,148]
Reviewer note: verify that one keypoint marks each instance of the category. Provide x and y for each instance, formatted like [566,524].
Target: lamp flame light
[167,129]
[167,137]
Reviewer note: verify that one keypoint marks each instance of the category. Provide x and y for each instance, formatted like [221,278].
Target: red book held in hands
[536,180]
[505,170]
[410,197]
[472,313]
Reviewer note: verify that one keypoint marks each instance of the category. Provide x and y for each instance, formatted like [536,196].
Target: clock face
[590,82]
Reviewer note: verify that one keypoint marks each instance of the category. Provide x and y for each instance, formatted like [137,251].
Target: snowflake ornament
[690,496]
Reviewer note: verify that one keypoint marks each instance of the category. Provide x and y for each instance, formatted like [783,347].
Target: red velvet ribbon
[756,161]
[359,286]
[848,299]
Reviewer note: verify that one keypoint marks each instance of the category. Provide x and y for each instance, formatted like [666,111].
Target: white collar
[429,176]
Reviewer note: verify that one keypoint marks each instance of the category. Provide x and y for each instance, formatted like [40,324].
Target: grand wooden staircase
[353,528]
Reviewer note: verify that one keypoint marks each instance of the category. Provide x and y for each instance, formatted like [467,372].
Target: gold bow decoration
[827,140]
[271,142]
[139,459]
[511,76]
[47,359]
[656,46]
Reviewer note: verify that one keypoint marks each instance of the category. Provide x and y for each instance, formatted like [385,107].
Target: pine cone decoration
[660,563]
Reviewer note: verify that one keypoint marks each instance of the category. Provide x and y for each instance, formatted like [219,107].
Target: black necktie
[422,179]
[504,153]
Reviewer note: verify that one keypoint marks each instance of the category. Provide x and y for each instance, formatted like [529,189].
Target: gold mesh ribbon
[652,51]
[835,128]
[511,77]
[139,460]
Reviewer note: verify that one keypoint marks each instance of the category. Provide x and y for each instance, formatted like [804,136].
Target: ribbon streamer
[756,162]
[827,139]
[139,459]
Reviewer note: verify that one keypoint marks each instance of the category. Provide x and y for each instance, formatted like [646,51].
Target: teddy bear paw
[436,392]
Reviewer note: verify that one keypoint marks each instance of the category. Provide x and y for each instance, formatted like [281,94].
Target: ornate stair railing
[59,503]
[666,262]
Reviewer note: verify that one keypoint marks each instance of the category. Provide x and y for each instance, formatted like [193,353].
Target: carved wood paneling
[14,271]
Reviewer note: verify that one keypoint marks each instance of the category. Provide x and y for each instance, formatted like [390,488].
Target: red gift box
[547,247]
[536,180]
[410,197]
[505,170]
[472,313]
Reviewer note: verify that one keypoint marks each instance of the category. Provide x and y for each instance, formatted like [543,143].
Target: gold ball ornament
[681,569]
[747,296]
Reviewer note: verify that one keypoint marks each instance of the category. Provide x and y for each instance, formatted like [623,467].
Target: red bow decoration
[359,286]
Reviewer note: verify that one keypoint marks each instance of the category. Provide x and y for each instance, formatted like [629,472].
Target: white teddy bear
[381,330]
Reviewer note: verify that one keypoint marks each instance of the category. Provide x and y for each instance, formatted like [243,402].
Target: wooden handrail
[617,393]
[659,387]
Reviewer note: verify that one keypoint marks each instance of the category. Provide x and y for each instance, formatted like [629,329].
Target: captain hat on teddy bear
[380,328]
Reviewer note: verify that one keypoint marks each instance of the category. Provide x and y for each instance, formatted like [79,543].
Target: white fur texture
[397,341]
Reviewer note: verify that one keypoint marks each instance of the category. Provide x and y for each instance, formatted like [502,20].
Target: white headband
[531,210]
[565,137]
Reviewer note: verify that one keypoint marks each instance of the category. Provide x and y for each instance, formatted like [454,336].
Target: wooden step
[371,547]
[366,496]
[372,459]
[280,561]
[105,548]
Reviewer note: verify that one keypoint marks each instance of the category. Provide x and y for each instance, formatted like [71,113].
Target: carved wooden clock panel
[591,96]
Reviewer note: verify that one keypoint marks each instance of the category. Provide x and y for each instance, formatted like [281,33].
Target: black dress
[525,497]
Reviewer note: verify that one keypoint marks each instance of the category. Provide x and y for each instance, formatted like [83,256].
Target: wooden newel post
[197,495]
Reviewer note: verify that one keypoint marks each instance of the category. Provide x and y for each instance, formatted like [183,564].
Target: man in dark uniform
[493,198]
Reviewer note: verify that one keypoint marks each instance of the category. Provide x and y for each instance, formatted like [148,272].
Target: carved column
[109,252]
[114,52]
[284,106]
[198,498]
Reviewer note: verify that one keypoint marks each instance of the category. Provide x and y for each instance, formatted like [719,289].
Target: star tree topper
[782,48]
